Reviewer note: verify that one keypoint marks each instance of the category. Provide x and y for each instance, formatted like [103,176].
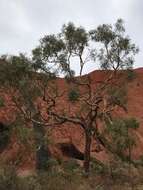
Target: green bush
[130,75]
[120,137]
[117,96]
[70,165]
[73,95]
[96,168]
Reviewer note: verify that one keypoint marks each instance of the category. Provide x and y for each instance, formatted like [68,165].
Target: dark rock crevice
[4,136]
[70,150]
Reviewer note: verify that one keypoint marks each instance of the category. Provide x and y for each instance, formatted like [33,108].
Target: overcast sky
[24,22]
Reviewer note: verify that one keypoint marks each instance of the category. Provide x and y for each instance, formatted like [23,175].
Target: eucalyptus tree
[38,99]
[108,46]
[23,86]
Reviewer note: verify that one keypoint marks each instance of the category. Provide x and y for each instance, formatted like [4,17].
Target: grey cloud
[24,22]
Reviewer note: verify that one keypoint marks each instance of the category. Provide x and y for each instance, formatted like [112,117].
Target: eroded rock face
[70,150]
[68,140]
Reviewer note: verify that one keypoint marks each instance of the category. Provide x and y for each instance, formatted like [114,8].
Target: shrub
[130,75]
[117,96]
[58,181]
[121,135]
[29,183]
[8,178]
[96,168]
[73,95]
[70,165]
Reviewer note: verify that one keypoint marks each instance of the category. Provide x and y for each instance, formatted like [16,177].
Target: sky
[24,22]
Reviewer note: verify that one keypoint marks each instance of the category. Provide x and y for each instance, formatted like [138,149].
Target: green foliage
[117,96]
[50,47]
[131,123]
[73,95]
[71,165]
[52,163]
[97,169]
[21,130]
[51,50]
[16,72]
[61,180]
[24,134]
[14,69]
[117,51]
[8,178]
[130,75]
[76,38]
[2,102]
[120,134]
[58,49]
[42,181]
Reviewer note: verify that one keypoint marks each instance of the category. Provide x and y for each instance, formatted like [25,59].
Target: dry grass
[70,176]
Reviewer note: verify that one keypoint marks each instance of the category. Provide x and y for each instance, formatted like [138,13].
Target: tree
[121,132]
[24,87]
[115,54]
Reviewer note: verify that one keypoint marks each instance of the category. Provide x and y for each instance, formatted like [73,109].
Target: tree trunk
[42,153]
[87,152]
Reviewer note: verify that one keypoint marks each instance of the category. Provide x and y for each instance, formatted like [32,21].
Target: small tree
[94,103]
[24,87]
[122,136]
[73,95]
